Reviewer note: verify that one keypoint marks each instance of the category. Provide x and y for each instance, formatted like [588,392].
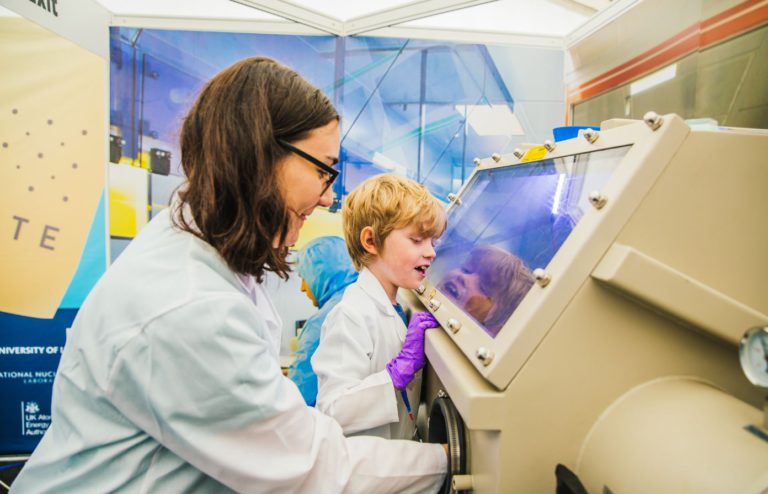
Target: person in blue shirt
[325,270]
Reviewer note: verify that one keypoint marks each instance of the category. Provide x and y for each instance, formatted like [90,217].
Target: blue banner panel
[30,350]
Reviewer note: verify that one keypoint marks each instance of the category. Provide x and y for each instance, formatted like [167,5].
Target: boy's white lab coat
[170,382]
[359,337]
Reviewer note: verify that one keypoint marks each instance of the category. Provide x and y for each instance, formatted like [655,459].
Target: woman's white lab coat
[170,382]
[359,336]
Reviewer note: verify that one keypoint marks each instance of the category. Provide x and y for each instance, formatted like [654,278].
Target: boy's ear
[366,240]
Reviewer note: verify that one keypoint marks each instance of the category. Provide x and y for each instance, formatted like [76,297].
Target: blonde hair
[504,278]
[388,202]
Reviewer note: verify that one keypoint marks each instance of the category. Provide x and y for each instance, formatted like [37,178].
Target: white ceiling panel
[538,18]
[541,17]
[345,9]
[198,9]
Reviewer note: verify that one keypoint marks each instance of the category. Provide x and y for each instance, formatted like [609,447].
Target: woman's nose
[327,198]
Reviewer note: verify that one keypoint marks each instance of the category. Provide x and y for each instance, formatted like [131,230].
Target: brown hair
[386,202]
[230,154]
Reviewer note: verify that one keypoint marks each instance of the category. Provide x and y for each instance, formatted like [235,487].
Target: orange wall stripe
[743,17]
[736,26]
[678,51]
[629,63]
[730,12]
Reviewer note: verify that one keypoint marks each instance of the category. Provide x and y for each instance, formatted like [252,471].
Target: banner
[52,219]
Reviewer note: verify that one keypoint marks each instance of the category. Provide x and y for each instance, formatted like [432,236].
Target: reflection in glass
[488,285]
[511,221]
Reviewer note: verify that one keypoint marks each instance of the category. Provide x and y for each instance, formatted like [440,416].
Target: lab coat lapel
[372,287]
[245,283]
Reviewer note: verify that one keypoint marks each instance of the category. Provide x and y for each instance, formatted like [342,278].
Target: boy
[367,360]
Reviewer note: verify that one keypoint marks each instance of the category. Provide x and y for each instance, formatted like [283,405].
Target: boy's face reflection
[466,289]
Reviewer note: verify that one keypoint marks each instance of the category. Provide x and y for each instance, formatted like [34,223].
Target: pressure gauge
[753,355]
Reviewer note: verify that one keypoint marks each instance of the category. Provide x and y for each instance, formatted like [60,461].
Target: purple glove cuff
[401,371]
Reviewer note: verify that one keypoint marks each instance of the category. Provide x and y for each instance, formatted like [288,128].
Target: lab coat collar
[372,287]
[245,282]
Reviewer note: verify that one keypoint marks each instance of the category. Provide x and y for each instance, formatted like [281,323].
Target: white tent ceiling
[545,18]
[544,23]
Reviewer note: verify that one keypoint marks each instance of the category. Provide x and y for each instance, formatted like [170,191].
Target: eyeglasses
[332,172]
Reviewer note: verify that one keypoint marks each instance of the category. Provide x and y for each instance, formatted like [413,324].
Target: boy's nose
[430,252]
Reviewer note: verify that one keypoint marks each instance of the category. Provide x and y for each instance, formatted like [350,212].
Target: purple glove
[411,358]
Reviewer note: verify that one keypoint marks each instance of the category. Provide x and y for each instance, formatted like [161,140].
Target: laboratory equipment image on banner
[418,108]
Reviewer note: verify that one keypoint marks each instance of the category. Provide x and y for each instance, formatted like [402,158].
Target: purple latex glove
[411,358]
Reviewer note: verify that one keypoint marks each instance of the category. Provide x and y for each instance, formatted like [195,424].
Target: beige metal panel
[706,215]
[689,213]
[676,294]
[483,446]
[602,346]
[475,399]
[675,425]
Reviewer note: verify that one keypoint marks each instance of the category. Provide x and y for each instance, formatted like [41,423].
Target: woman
[170,381]
[325,270]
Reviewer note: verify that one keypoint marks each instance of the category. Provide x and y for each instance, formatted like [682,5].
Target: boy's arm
[347,390]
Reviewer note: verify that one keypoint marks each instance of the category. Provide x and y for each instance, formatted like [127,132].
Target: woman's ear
[367,240]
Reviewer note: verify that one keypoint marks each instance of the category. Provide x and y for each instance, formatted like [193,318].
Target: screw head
[653,120]
[597,199]
[453,325]
[484,355]
[591,135]
[454,198]
[542,277]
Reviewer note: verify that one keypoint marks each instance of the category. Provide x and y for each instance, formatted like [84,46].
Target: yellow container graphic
[128,200]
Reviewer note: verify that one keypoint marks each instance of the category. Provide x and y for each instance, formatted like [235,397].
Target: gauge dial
[753,355]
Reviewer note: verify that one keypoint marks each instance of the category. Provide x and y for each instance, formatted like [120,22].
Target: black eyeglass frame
[332,172]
